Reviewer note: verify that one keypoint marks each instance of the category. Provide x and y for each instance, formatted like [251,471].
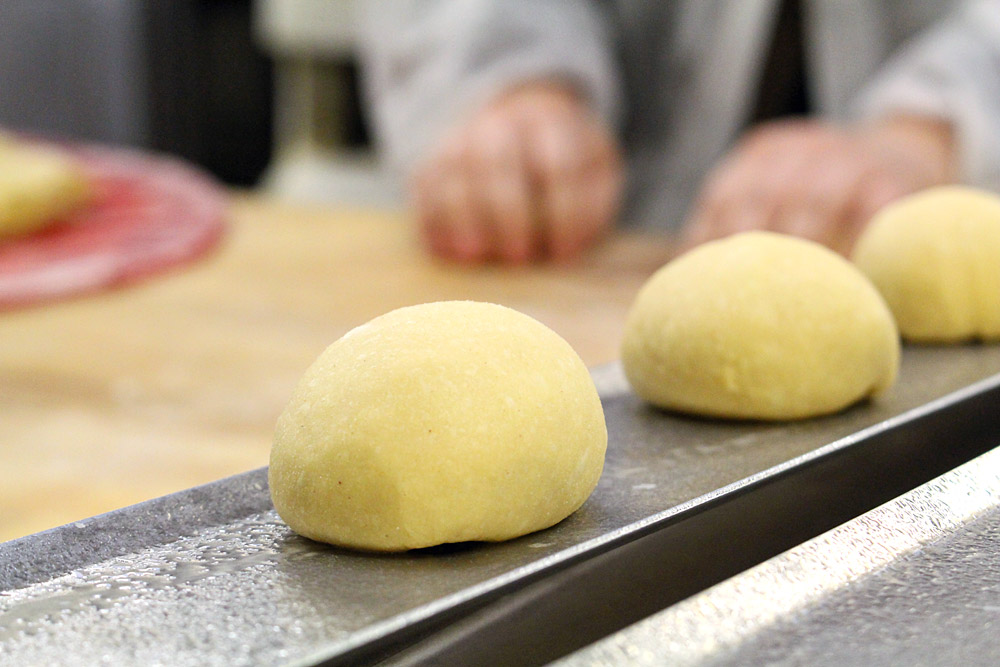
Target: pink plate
[149,214]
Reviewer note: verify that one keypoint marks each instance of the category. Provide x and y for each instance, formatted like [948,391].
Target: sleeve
[952,72]
[428,63]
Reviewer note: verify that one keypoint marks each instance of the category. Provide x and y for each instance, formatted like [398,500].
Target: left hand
[819,181]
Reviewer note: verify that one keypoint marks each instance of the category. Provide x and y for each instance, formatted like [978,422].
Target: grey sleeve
[428,63]
[952,71]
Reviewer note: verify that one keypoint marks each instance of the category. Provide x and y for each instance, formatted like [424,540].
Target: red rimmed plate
[149,214]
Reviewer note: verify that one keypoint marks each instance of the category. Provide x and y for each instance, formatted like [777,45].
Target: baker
[527,129]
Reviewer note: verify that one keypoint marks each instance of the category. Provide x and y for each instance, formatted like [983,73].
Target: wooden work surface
[112,399]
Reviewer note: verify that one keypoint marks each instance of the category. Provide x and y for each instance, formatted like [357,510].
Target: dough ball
[759,326]
[443,422]
[37,186]
[935,256]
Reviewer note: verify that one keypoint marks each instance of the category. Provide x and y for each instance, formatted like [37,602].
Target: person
[528,128]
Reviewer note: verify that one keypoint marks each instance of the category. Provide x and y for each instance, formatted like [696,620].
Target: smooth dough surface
[759,326]
[443,422]
[37,185]
[935,256]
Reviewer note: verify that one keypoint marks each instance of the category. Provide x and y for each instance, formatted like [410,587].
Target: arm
[950,73]
[931,115]
[499,115]
[430,64]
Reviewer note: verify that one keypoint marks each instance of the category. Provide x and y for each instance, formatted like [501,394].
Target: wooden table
[112,399]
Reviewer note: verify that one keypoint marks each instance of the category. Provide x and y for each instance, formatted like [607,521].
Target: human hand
[535,174]
[818,181]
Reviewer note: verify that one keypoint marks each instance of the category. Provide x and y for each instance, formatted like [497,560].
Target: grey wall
[74,68]
[179,76]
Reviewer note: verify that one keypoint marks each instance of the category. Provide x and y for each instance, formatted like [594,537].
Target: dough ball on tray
[759,326]
[437,423]
[935,256]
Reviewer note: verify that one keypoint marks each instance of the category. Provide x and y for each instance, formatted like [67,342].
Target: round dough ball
[935,256]
[759,326]
[443,422]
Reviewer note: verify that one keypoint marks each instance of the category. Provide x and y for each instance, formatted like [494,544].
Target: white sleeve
[427,63]
[951,71]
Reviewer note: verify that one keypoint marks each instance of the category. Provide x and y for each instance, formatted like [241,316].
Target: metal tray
[913,582]
[212,576]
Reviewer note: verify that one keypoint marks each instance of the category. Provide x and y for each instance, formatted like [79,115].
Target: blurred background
[261,93]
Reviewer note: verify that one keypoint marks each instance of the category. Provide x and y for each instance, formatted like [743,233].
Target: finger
[746,199]
[744,193]
[815,208]
[804,221]
[465,221]
[857,190]
[462,220]
[760,185]
[782,172]
[598,202]
[823,212]
[446,213]
[693,233]
[873,194]
[602,188]
[783,193]
[799,195]
[723,219]
[558,162]
[876,193]
[502,186]
[745,214]
[428,209]
[446,227]
[705,224]
[704,220]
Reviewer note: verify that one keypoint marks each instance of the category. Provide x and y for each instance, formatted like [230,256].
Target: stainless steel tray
[913,582]
[211,575]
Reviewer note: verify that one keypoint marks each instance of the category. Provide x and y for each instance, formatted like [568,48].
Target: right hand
[533,175]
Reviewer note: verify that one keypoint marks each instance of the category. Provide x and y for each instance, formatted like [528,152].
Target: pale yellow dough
[759,326]
[443,422]
[935,256]
[37,185]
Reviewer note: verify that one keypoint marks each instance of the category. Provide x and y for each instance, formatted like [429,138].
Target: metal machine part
[915,581]
[742,526]
[212,576]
